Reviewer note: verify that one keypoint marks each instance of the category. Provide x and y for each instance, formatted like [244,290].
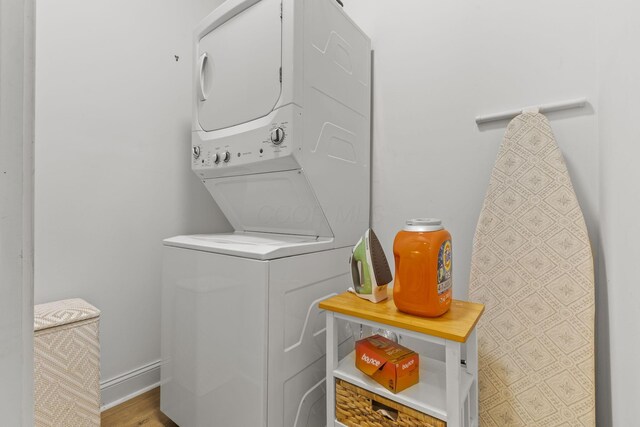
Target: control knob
[216,158]
[277,136]
[226,156]
[196,152]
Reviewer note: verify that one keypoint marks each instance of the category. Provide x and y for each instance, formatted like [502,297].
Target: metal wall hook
[546,108]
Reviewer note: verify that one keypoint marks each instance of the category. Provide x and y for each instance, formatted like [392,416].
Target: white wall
[113,165]
[16,212]
[437,65]
[112,155]
[619,89]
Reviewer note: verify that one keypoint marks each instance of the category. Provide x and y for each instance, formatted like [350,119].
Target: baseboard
[119,389]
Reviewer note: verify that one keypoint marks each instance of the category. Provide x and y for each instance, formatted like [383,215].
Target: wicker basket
[356,407]
[66,364]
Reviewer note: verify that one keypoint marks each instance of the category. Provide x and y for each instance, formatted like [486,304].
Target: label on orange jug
[444,267]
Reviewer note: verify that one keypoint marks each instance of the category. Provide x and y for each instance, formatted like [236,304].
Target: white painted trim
[17,81]
[131,374]
[129,397]
[130,384]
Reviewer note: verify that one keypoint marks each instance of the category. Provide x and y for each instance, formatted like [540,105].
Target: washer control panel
[269,141]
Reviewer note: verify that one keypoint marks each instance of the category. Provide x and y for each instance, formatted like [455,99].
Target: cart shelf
[447,390]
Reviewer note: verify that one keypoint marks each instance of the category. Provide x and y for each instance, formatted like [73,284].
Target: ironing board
[532,267]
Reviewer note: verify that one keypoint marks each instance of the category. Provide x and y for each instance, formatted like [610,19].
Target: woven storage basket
[66,364]
[356,407]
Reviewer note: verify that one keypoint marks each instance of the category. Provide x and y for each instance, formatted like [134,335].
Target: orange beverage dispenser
[422,252]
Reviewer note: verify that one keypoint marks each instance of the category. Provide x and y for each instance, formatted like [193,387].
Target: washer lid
[238,66]
[263,246]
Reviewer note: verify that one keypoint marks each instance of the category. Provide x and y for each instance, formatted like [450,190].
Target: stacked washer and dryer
[281,139]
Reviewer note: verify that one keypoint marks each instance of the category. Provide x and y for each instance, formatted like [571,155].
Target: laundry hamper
[356,407]
[66,364]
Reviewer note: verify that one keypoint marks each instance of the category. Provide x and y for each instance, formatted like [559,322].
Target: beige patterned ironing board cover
[532,267]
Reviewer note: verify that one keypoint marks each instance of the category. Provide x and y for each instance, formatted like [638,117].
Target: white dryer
[281,139]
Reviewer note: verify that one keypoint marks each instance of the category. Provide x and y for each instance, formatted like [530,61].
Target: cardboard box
[393,366]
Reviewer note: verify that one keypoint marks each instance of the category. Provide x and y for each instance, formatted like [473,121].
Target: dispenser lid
[423,225]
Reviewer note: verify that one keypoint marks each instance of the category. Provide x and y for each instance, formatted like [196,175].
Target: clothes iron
[369,269]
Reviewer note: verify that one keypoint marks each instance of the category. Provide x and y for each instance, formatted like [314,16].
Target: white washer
[244,338]
[281,139]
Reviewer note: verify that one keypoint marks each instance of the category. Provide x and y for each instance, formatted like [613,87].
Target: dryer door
[238,67]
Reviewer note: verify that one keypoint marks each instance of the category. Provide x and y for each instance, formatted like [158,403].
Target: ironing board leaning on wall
[532,267]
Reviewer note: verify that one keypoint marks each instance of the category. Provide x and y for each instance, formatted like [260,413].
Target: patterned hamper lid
[58,313]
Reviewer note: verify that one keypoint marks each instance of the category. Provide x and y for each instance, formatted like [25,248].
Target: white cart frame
[459,407]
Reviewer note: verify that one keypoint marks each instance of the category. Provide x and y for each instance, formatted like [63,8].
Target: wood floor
[143,410]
